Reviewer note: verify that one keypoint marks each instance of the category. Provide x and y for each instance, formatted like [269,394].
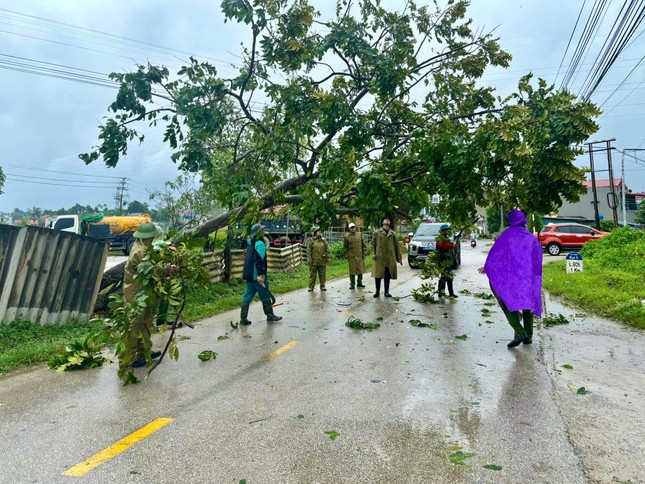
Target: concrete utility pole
[121,195]
[613,203]
[622,180]
[593,178]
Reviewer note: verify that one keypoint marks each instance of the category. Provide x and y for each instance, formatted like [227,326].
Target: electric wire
[569,42]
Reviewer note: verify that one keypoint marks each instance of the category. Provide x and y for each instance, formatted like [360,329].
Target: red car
[567,236]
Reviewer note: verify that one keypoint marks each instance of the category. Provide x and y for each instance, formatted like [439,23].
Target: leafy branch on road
[164,273]
[356,323]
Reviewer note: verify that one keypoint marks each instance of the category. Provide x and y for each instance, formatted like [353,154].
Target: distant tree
[2,180]
[493,220]
[181,204]
[136,206]
[640,215]
[34,212]
[18,214]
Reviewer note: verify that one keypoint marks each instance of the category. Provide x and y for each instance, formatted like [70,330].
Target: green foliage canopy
[371,110]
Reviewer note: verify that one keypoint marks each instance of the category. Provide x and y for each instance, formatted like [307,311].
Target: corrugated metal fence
[47,275]
[283,259]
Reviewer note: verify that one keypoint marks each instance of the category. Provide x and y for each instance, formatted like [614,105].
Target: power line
[98,34]
[569,43]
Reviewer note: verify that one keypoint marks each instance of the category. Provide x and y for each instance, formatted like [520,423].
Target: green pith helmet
[444,227]
[146,230]
[255,230]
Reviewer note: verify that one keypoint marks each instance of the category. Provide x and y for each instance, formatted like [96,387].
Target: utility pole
[593,179]
[622,180]
[121,195]
[613,203]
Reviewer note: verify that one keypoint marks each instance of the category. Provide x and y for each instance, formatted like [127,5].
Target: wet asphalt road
[402,399]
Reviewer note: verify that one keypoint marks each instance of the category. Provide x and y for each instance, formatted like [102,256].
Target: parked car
[424,241]
[567,236]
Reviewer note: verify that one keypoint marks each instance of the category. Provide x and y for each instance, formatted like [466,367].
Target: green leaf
[223,337]
[332,434]
[582,391]
[492,467]
[462,337]
[301,417]
[567,367]
[207,355]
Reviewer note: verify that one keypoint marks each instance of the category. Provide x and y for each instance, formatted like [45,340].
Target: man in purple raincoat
[514,269]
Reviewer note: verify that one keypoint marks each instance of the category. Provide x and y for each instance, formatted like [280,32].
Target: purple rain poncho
[514,266]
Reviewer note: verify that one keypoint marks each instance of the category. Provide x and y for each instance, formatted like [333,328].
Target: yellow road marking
[279,351]
[122,445]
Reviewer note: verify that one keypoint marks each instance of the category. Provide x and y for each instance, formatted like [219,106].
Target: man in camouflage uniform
[355,253]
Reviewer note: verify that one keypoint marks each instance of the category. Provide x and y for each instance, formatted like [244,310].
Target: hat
[444,227]
[255,230]
[146,230]
[352,225]
[315,229]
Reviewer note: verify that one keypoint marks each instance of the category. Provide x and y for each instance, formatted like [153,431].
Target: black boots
[360,281]
[352,281]
[517,341]
[441,288]
[268,310]
[451,291]
[244,313]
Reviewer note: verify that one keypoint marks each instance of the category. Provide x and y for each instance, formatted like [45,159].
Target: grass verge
[608,292]
[23,343]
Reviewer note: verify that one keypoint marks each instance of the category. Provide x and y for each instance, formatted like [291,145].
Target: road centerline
[122,445]
[279,351]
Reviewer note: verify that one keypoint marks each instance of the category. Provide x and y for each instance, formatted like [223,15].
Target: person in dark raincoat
[385,254]
[355,253]
[514,269]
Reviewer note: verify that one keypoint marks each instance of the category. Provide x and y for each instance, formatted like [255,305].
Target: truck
[116,229]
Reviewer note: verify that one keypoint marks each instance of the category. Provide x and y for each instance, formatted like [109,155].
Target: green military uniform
[137,339]
[317,258]
[355,253]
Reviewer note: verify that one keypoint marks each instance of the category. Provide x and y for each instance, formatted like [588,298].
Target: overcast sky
[45,122]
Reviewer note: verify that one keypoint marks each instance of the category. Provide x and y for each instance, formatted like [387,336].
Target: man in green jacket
[317,258]
[355,253]
[136,338]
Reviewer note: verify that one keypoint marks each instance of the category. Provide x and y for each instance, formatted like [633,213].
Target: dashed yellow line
[279,351]
[121,446]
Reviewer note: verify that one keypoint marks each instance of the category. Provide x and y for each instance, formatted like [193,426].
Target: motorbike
[473,243]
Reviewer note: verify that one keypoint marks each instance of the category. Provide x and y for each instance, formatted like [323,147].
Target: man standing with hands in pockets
[385,253]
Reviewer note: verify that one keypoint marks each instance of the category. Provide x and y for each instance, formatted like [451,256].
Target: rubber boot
[268,310]
[352,281]
[520,334]
[244,313]
[451,291]
[360,281]
[387,287]
[441,288]
[528,326]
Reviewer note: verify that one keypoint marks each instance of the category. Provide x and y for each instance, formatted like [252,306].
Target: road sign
[574,262]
